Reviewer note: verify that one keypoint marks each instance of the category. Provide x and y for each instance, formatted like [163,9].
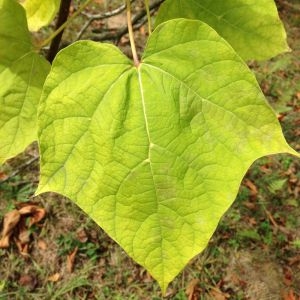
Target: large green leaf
[22,74]
[154,154]
[40,12]
[252,27]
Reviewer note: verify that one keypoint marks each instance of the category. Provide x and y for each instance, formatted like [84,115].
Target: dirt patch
[260,276]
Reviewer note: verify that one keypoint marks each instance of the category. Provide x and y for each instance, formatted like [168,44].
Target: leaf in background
[22,74]
[40,12]
[154,154]
[252,27]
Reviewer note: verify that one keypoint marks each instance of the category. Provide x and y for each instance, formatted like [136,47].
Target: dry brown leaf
[218,295]
[23,248]
[294,260]
[36,213]
[252,187]
[42,244]
[289,295]
[81,235]
[250,205]
[24,233]
[71,260]
[288,276]
[28,281]
[3,176]
[54,278]
[4,242]
[10,221]
[15,221]
[192,289]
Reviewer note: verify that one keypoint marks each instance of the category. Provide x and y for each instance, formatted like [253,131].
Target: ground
[254,253]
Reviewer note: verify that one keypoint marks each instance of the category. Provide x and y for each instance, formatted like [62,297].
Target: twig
[274,223]
[269,215]
[62,18]
[103,16]
[138,20]
[22,167]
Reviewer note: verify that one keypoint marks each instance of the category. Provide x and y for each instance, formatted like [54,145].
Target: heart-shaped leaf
[40,12]
[154,154]
[22,74]
[252,27]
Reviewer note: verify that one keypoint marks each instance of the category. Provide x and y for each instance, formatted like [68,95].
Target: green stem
[63,26]
[148,16]
[130,32]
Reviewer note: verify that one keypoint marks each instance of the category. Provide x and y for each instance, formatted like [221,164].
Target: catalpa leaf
[22,74]
[40,12]
[154,154]
[252,27]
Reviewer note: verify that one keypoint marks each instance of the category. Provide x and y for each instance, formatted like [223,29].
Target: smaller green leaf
[22,75]
[252,27]
[40,12]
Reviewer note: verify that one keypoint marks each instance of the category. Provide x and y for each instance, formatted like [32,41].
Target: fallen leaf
[251,186]
[28,281]
[81,235]
[36,213]
[23,248]
[24,233]
[252,221]
[42,244]
[4,242]
[217,294]
[192,289]
[11,219]
[289,295]
[288,276]
[71,260]
[3,176]
[15,222]
[249,205]
[54,278]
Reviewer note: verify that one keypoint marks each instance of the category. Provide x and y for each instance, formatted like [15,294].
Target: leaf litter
[17,226]
[283,252]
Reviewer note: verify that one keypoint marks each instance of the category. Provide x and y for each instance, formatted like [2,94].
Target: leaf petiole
[148,16]
[130,32]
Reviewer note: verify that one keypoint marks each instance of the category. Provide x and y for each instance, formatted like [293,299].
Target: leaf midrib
[150,163]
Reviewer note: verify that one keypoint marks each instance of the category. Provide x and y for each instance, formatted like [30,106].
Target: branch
[62,18]
[20,168]
[138,20]
[103,16]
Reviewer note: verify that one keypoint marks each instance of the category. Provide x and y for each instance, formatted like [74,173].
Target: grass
[254,254]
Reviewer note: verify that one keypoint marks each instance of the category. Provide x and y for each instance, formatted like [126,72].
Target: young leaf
[154,154]
[40,12]
[252,27]
[22,74]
